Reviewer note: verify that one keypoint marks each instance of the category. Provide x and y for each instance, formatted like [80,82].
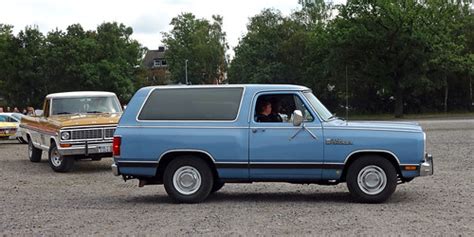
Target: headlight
[65,135]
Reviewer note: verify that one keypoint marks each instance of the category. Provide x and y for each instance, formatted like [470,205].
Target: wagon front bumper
[426,167]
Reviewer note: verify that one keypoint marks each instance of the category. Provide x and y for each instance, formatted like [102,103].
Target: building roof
[152,55]
[75,94]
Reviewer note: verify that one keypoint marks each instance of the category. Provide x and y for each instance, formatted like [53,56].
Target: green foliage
[202,43]
[33,65]
[399,55]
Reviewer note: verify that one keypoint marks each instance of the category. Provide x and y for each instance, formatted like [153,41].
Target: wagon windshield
[323,112]
[89,105]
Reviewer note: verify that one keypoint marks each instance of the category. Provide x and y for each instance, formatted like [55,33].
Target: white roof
[75,94]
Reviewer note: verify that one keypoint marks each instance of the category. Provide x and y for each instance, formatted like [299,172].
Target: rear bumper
[115,170]
[426,167]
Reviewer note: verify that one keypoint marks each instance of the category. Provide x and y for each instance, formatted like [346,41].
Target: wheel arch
[353,156]
[167,156]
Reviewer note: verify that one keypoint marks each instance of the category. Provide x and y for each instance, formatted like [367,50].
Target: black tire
[58,162]
[372,165]
[34,154]
[217,186]
[189,164]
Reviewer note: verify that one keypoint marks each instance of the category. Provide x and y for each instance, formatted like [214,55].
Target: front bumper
[426,167]
[101,149]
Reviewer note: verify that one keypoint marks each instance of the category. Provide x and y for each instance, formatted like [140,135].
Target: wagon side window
[193,104]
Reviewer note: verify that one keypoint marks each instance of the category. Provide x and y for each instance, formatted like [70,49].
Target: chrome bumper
[87,149]
[426,168]
[115,170]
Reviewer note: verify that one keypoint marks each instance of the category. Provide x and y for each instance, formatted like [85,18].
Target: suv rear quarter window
[192,104]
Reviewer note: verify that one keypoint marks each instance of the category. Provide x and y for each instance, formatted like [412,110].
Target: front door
[278,149]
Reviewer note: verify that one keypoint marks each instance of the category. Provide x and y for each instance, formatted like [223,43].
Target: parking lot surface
[91,201]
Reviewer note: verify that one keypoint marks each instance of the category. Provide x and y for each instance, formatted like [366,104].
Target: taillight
[116,145]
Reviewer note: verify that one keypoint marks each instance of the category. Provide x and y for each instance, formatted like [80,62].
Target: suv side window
[192,104]
[278,108]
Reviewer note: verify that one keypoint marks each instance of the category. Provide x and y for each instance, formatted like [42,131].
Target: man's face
[267,109]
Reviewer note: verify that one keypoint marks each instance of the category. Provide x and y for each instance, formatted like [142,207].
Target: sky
[147,18]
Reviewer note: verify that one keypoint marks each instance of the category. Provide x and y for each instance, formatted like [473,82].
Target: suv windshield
[90,105]
[323,112]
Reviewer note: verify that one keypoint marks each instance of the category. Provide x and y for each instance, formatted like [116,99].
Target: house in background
[157,67]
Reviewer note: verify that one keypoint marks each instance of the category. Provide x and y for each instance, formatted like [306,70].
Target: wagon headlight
[65,135]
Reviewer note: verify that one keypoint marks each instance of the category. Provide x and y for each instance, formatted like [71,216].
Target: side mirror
[297,117]
[39,112]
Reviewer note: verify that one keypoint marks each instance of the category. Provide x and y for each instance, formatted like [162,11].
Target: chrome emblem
[337,141]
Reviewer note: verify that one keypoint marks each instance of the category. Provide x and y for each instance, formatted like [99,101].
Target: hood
[72,120]
[8,125]
[375,125]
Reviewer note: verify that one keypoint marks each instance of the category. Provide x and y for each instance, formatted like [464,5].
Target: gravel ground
[90,201]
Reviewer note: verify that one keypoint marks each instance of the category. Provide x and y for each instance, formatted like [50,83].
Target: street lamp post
[186,71]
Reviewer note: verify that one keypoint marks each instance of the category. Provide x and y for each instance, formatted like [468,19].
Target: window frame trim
[190,120]
[252,113]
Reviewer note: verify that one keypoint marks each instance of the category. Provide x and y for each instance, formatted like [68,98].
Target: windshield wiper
[94,112]
[63,113]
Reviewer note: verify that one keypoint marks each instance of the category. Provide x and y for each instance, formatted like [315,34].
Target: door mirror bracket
[298,120]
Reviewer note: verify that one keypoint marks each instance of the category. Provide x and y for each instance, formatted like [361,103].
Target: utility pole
[186,71]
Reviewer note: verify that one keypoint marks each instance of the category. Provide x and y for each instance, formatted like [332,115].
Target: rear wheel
[58,162]
[217,186]
[34,154]
[188,179]
[371,179]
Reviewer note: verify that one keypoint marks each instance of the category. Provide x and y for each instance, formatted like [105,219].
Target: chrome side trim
[292,127]
[371,129]
[187,150]
[138,161]
[369,150]
[184,127]
[287,163]
[191,121]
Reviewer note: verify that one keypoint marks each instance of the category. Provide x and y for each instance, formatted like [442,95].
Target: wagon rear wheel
[188,179]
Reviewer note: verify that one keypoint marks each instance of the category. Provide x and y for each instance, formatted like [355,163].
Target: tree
[33,65]
[202,43]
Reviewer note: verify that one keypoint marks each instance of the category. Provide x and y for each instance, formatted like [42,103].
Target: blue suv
[194,139]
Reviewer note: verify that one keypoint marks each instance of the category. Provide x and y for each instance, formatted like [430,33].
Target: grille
[87,134]
[109,132]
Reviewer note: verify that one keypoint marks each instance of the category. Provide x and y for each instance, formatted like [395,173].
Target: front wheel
[371,179]
[188,179]
[58,162]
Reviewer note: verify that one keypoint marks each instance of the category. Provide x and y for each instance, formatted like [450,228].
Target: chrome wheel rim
[56,159]
[372,180]
[187,180]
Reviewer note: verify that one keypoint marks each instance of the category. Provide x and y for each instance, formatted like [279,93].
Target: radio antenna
[347,97]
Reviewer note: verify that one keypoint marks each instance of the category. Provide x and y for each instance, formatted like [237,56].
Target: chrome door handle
[254,130]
